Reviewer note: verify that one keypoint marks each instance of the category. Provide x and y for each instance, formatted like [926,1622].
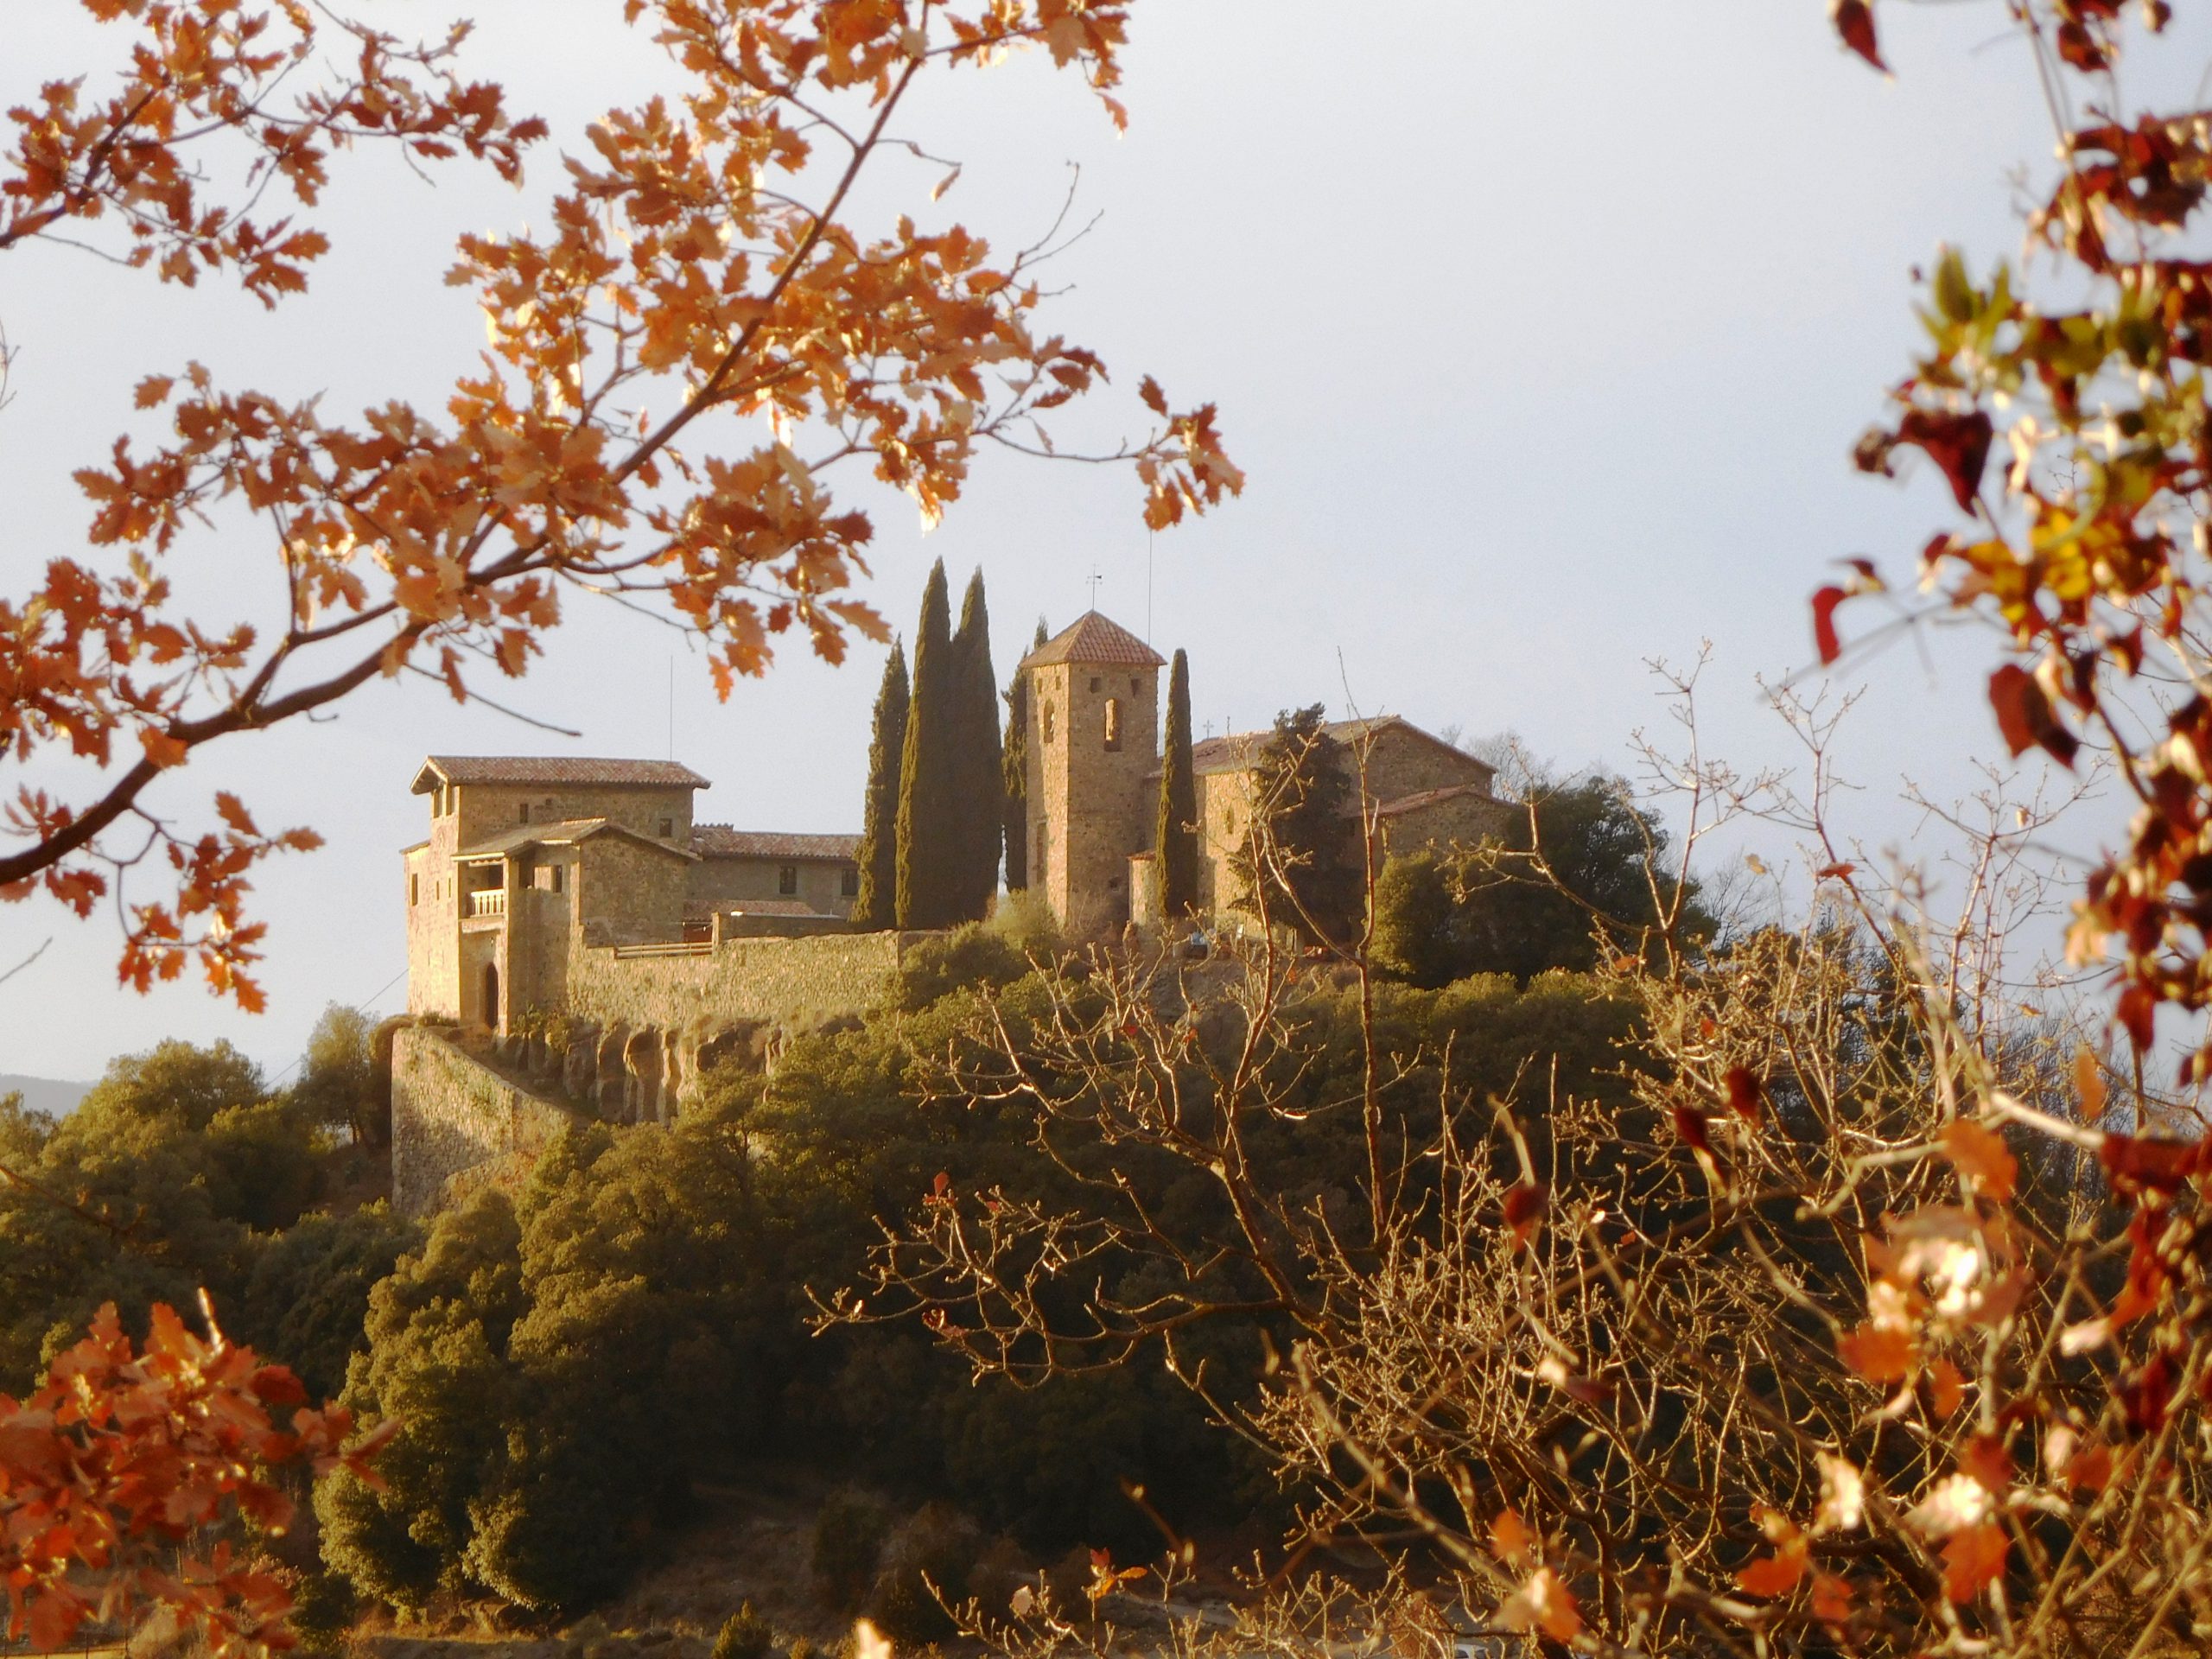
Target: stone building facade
[532,860]
[1094,783]
[536,868]
[601,948]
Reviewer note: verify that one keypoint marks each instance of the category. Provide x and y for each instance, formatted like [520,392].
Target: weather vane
[1096,576]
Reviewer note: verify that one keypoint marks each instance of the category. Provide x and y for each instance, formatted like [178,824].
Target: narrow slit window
[525,812]
[414,890]
[1048,722]
[1113,722]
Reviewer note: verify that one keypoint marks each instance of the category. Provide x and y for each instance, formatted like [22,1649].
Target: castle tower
[1094,760]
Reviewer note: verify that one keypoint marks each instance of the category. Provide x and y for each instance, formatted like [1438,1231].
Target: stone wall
[457,1125]
[628,892]
[643,1022]
[1402,760]
[482,811]
[716,881]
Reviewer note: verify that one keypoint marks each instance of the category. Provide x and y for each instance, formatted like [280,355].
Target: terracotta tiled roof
[565,834]
[1240,750]
[1094,639]
[720,840]
[586,771]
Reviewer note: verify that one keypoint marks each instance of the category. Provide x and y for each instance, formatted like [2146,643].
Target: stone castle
[585,891]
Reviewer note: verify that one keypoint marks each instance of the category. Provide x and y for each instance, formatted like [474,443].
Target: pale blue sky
[1543,331]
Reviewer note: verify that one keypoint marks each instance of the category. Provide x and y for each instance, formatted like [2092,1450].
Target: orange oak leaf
[1510,1540]
[1878,1353]
[1973,1560]
[1981,1158]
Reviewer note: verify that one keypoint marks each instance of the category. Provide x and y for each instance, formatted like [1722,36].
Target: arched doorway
[491,1005]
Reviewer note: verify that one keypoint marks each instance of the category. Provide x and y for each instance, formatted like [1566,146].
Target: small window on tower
[1133,685]
[1113,722]
[414,889]
[787,880]
[525,812]
[1048,722]
[1095,682]
[668,828]
[849,883]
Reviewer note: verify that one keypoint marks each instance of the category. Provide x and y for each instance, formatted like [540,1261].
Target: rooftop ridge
[1094,637]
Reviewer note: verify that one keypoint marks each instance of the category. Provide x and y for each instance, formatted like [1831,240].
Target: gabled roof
[1414,803]
[1240,752]
[565,834]
[720,840]
[579,770]
[1094,638]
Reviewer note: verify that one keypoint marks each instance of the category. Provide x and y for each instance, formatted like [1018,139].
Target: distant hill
[44,1094]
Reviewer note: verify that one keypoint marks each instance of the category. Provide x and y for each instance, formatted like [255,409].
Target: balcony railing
[487,901]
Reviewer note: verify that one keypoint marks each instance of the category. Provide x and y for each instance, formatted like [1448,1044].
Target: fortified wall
[457,1124]
[639,1024]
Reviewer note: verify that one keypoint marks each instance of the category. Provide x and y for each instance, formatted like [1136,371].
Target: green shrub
[969,956]
[745,1635]
[924,1566]
[324,1607]
[849,1534]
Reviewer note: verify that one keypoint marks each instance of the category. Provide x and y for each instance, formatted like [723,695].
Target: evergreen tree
[1175,839]
[1014,767]
[876,907]
[929,886]
[1312,868]
[981,801]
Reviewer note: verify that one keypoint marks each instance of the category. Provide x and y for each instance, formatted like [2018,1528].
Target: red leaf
[2025,717]
[1525,1202]
[1824,636]
[1745,1097]
[2137,1164]
[1957,443]
[1854,22]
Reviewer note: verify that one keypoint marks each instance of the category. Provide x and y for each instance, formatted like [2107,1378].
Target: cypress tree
[929,782]
[981,799]
[1014,767]
[1175,841]
[876,908]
